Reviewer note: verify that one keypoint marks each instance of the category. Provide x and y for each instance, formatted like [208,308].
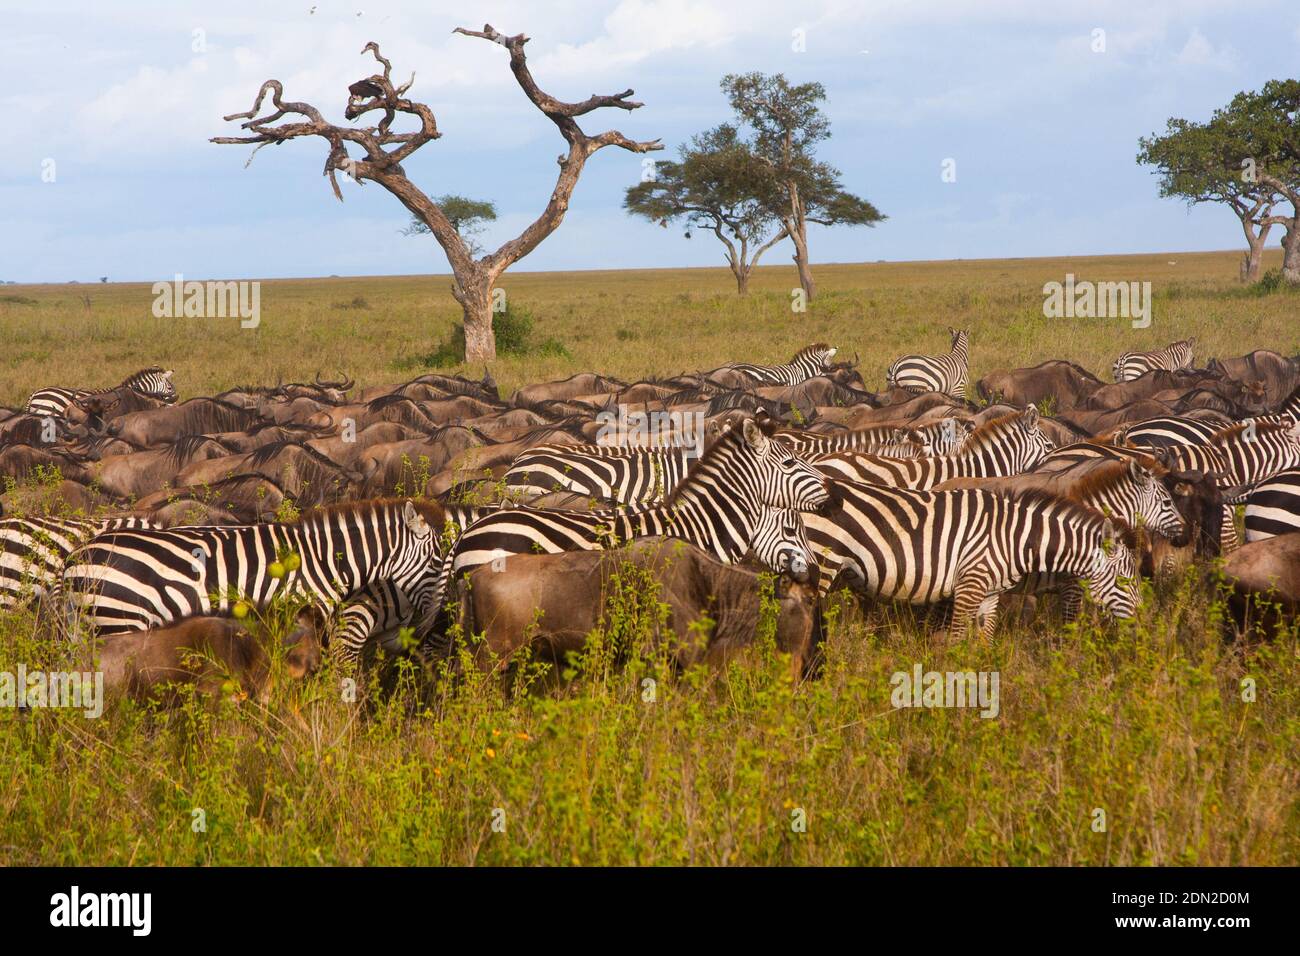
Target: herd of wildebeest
[434,516]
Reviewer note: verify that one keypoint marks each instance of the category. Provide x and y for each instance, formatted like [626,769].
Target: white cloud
[1198,51]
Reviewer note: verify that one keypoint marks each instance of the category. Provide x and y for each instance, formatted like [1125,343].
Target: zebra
[1241,456]
[1132,493]
[807,363]
[1273,508]
[946,374]
[33,552]
[1172,357]
[135,580]
[1003,446]
[720,507]
[1157,433]
[380,611]
[938,438]
[627,475]
[154,381]
[968,544]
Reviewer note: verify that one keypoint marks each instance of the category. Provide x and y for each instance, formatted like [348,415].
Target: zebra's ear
[169,373]
[1030,418]
[414,520]
[754,436]
[1136,471]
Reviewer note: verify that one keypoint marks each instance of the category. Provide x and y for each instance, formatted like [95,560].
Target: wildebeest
[143,472]
[1065,383]
[198,416]
[1264,578]
[215,654]
[553,602]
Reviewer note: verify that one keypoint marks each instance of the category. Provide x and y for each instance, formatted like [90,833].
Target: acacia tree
[1251,150]
[788,124]
[384,150]
[718,186]
[467,217]
[1191,161]
[1264,141]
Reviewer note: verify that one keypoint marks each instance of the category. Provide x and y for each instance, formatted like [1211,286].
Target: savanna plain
[1187,744]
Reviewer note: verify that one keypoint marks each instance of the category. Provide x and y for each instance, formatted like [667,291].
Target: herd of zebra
[127,511]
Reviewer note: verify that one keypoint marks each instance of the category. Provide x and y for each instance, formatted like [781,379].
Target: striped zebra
[938,438]
[1155,433]
[971,545]
[154,381]
[808,363]
[33,552]
[1273,508]
[380,611]
[1172,357]
[737,492]
[623,474]
[1242,455]
[1003,446]
[946,374]
[135,580]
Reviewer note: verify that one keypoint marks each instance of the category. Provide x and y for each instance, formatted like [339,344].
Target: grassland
[1146,721]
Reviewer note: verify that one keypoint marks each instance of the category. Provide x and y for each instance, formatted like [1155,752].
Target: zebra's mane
[728,440]
[810,350]
[1100,479]
[1225,436]
[126,382]
[431,511]
[990,431]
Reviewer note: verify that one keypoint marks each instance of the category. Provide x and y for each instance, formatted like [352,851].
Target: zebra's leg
[352,627]
[1071,601]
[970,596]
[1228,533]
[987,615]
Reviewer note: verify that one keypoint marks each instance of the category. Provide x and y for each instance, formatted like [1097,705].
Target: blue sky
[115,100]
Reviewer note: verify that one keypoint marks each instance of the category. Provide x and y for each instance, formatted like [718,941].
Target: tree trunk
[1255,239]
[800,239]
[742,279]
[1291,252]
[1252,260]
[475,297]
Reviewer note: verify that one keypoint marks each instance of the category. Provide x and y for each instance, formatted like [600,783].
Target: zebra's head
[414,560]
[779,478]
[1113,578]
[947,436]
[1155,505]
[154,381]
[1036,443]
[780,542]
[960,339]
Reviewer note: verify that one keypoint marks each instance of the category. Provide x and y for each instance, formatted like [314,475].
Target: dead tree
[384,151]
